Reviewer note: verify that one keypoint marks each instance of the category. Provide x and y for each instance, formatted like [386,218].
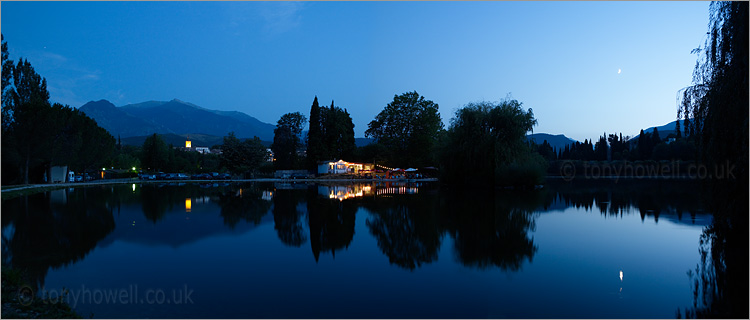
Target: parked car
[79,178]
[147,176]
[182,176]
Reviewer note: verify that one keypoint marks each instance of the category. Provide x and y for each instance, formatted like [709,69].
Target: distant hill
[664,130]
[557,141]
[174,117]
[118,122]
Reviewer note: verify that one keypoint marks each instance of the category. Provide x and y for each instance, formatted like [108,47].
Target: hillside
[557,141]
[664,130]
[118,122]
[174,117]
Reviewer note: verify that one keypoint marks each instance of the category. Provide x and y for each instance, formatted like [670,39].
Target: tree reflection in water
[720,280]
[406,228]
[491,228]
[51,233]
[287,217]
[331,223]
[245,203]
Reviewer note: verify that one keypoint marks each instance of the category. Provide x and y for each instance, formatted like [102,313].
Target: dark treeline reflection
[331,223]
[490,228]
[245,204]
[287,217]
[648,198]
[407,228]
[53,229]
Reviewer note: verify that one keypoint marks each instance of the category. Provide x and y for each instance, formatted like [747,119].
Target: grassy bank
[19,301]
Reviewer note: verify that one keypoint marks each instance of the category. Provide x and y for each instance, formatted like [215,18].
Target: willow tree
[486,144]
[715,113]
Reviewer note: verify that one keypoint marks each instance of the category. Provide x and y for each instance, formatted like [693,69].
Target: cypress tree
[315,139]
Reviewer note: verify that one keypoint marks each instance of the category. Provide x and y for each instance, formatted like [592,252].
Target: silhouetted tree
[286,140]
[315,138]
[339,133]
[601,148]
[486,144]
[717,103]
[7,78]
[155,153]
[242,156]
[408,127]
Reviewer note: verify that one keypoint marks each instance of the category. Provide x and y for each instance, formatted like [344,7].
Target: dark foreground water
[264,250]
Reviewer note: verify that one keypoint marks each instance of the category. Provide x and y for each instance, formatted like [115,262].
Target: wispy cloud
[274,18]
[52,57]
[65,77]
[280,17]
[116,97]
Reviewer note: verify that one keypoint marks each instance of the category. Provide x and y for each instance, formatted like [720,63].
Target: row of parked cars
[183,176]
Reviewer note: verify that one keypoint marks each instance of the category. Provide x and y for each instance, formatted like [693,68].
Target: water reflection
[409,222]
[491,228]
[287,217]
[331,223]
[407,228]
[242,204]
[50,232]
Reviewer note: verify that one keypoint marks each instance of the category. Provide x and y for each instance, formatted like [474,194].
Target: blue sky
[268,58]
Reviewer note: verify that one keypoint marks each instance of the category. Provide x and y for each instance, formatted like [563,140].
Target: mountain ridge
[174,117]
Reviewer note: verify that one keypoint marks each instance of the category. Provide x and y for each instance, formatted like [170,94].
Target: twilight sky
[268,58]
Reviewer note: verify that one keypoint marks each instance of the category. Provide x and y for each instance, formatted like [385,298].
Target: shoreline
[34,188]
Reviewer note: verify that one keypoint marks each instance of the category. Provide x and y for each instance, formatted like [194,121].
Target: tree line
[484,144]
[37,134]
[609,147]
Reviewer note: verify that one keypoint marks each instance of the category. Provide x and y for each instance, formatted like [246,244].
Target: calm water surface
[401,250]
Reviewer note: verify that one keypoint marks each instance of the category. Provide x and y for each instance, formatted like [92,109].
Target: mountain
[174,117]
[664,130]
[118,122]
[557,141]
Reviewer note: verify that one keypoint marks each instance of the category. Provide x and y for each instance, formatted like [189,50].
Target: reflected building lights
[134,187]
[188,205]
[267,195]
[620,275]
[342,193]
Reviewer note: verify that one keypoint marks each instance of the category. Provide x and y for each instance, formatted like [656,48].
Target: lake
[360,250]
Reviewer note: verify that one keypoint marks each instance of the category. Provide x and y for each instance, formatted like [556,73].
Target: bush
[527,170]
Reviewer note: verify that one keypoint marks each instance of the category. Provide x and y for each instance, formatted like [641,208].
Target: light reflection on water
[377,249]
